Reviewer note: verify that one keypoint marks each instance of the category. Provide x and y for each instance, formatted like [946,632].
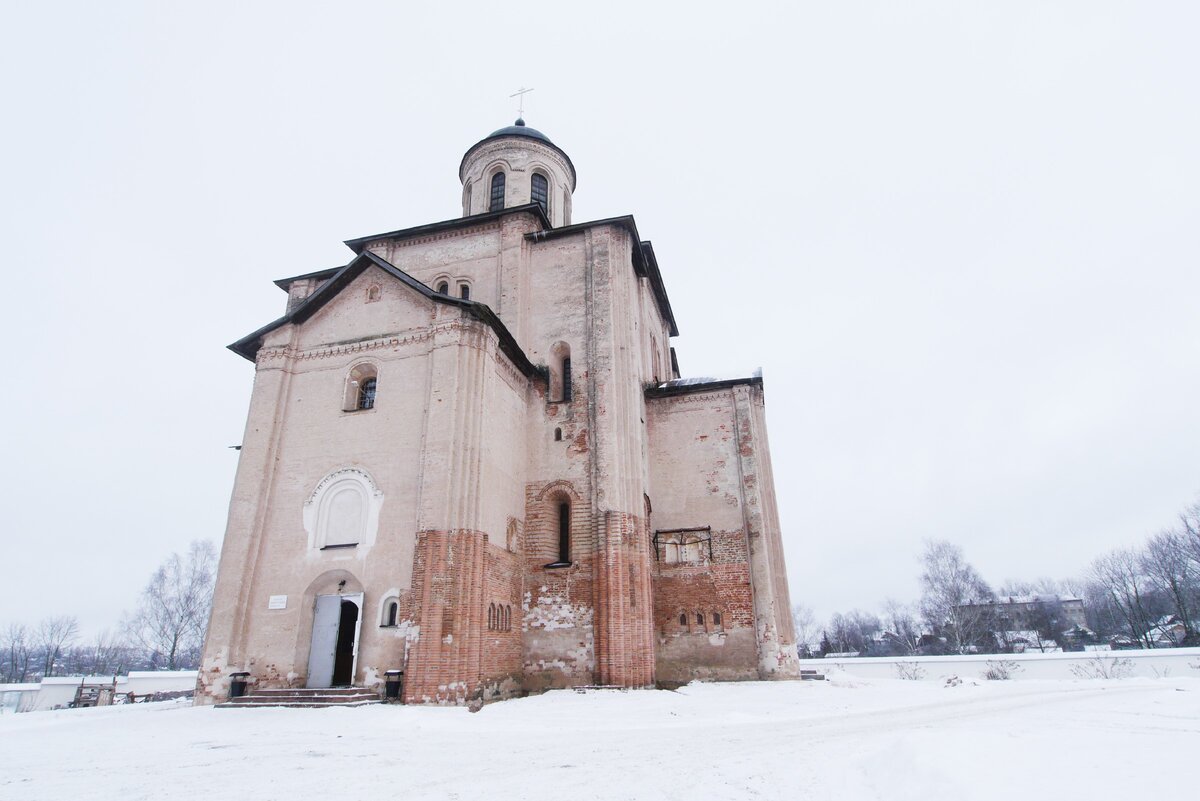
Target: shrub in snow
[909,671]
[1001,669]
[1100,668]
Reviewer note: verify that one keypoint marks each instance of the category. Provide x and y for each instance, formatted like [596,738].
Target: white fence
[1071,665]
[59,691]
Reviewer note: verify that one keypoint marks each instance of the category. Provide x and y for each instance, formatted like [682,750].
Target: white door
[324,640]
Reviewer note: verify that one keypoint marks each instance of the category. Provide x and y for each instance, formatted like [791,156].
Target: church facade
[470,456]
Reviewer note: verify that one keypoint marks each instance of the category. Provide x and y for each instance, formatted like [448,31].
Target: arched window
[560,373]
[506,618]
[361,385]
[464,291]
[467,199]
[539,191]
[491,617]
[373,293]
[391,612]
[558,435]
[699,618]
[716,618]
[366,394]
[497,199]
[564,534]
[443,288]
[683,618]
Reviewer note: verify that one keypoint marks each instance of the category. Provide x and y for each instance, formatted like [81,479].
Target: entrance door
[333,654]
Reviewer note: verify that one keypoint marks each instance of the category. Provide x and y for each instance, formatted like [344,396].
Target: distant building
[1026,612]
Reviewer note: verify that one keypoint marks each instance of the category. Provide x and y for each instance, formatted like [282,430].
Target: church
[470,456]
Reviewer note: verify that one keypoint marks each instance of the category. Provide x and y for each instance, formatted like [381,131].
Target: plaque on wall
[277,602]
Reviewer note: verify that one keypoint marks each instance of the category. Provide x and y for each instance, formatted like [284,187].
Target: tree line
[164,632]
[1138,597]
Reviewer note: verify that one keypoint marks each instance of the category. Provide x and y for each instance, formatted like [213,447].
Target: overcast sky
[959,238]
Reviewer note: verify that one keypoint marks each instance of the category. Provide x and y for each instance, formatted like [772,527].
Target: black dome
[519,128]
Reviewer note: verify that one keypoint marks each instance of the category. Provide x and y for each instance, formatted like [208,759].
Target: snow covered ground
[842,740]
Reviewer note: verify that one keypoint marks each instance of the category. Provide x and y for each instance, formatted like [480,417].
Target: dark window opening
[443,288]
[366,394]
[497,200]
[716,618]
[540,192]
[566,378]
[465,291]
[699,619]
[683,618]
[564,536]
[393,610]
[558,435]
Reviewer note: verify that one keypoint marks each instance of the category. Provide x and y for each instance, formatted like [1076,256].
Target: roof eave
[661,391]
[359,243]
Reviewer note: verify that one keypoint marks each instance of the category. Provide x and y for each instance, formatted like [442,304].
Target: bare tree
[173,613]
[1120,581]
[900,620]
[806,627]
[952,593]
[16,653]
[1169,567]
[52,637]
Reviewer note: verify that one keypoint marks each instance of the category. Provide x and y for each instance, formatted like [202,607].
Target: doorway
[334,649]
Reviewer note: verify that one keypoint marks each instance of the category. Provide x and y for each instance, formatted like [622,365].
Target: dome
[519,128]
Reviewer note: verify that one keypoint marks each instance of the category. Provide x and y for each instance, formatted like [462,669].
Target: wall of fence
[59,691]
[1088,664]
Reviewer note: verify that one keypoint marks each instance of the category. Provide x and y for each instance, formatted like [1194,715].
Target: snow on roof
[163,674]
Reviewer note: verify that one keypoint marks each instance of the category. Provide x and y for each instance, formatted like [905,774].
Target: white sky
[960,239]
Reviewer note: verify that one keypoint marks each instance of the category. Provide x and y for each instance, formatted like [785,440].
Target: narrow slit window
[558,435]
[497,199]
[566,378]
[539,191]
[699,618]
[564,533]
[464,291]
[393,610]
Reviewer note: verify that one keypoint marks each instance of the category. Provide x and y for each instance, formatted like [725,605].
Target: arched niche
[343,510]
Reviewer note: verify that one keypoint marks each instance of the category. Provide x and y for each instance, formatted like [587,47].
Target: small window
[539,191]
[492,617]
[564,533]
[558,435]
[443,288]
[716,618]
[464,291]
[497,199]
[361,387]
[373,293]
[366,394]
[391,613]
[683,618]
[566,378]
[507,617]
[699,618]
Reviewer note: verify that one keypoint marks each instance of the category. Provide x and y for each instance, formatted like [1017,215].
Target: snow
[848,739]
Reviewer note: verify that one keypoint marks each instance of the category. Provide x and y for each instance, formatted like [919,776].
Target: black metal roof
[248,346]
[684,386]
[519,128]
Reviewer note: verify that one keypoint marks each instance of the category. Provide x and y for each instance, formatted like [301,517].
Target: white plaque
[277,602]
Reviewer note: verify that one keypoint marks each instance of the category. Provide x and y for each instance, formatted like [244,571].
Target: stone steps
[811,675]
[304,698]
